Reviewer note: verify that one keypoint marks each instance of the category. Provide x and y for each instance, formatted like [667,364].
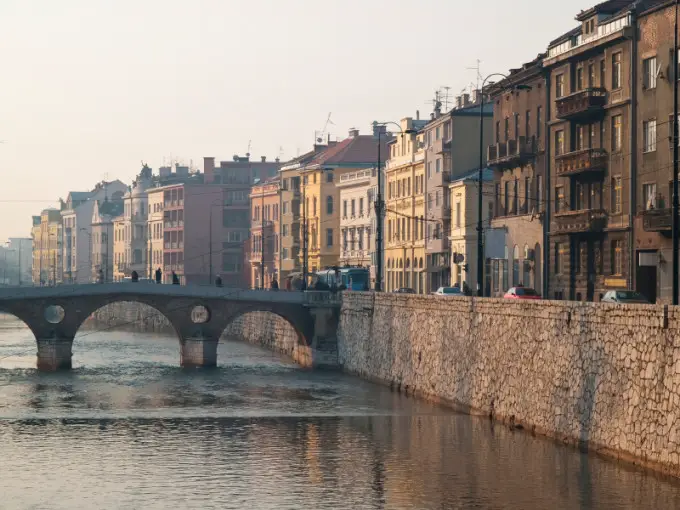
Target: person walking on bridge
[175,278]
[275,284]
[158,275]
[218,281]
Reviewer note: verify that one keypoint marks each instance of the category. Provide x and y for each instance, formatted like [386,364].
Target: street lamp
[379,206]
[480,184]
[216,202]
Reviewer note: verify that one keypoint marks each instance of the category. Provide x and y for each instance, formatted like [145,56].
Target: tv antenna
[477,68]
[445,96]
[319,136]
[248,150]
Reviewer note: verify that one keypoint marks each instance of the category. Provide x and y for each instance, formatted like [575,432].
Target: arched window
[314,204]
[329,203]
[420,263]
[526,267]
[408,263]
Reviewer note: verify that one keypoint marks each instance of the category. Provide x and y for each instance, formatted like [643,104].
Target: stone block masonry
[601,376]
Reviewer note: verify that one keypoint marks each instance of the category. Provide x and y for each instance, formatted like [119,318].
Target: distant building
[19,261]
[47,242]
[103,213]
[264,233]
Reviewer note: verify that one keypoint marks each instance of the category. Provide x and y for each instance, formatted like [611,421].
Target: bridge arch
[252,320]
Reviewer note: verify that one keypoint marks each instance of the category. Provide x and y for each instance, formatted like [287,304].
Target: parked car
[521,293]
[448,291]
[404,290]
[624,296]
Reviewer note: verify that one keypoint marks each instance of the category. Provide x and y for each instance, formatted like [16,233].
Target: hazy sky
[92,87]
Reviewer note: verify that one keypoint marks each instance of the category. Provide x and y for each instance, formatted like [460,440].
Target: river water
[127,428]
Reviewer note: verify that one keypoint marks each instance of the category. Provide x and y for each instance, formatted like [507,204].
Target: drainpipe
[547,168]
[632,192]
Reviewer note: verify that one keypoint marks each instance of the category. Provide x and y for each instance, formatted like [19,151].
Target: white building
[21,257]
[76,214]
[102,237]
[357,217]
[155,233]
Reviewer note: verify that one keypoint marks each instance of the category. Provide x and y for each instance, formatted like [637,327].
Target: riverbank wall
[600,376]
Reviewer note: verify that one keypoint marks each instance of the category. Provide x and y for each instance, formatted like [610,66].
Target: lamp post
[379,206]
[216,202]
[480,184]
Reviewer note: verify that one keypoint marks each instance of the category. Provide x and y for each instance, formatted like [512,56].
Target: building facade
[517,157]
[18,261]
[654,158]
[357,217]
[320,195]
[592,135]
[155,234]
[405,226]
[47,253]
[264,233]
[451,151]
[102,232]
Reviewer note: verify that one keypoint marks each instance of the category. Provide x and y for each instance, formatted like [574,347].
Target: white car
[448,291]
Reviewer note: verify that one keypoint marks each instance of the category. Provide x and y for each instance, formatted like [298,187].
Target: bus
[350,278]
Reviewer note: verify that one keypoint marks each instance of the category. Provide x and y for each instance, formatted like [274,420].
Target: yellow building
[47,267]
[320,196]
[405,210]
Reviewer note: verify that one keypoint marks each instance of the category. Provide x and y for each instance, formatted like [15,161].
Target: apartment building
[155,234]
[357,216]
[290,215]
[592,134]
[321,196]
[655,69]
[235,179]
[47,254]
[405,209]
[264,233]
[514,248]
[463,197]
[101,224]
[451,151]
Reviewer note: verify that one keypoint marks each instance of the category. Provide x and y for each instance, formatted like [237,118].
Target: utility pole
[676,200]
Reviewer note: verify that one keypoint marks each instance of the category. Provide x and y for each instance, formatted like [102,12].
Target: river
[127,428]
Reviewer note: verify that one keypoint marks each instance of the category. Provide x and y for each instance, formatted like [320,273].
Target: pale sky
[90,88]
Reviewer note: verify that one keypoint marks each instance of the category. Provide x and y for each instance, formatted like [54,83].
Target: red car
[521,293]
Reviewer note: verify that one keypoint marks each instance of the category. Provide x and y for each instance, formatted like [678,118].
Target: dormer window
[589,27]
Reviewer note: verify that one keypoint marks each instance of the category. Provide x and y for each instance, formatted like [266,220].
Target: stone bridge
[198,314]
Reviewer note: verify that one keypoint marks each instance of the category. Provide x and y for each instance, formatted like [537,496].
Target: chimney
[459,101]
[263,158]
[432,116]
[466,99]
[208,170]
[417,114]
[353,132]
[476,96]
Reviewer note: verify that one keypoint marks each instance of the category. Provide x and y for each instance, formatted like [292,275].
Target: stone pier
[54,354]
[198,352]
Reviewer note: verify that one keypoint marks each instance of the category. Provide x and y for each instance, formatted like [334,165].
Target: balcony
[577,222]
[657,220]
[441,146]
[582,104]
[511,153]
[581,161]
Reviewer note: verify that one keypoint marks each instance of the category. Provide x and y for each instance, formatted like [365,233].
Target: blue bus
[350,278]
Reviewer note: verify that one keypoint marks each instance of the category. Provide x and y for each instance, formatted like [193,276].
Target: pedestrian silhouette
[134,276]
[158,275]
[275,284]
[175,278]
[218,281]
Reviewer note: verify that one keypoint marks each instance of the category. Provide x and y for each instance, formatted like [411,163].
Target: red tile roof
[357,150]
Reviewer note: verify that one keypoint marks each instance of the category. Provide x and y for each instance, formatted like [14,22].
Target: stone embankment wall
[605,377]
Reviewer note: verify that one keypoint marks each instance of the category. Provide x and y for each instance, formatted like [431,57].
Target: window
[559,198]
[515,197]
[408,191]
[649,70]
[353,208]
[457,214]
[497,199]
[329,237]
[506,199]
[616,195]
[527,123]
[429,169]
[344,204]
[579,79]
[539,120]
[438,165]
[314,206]
[437,198]
[361,207]
[649,136]
[329,204]
[284,230]
[580,137]
[559,142]
[438,133]
[616,70]
[329,176]
[603,73]
[591,75]
[539,192]
[559,266]
[527,194]
[649,196]
[498,131]
[506,129]
[516,125]
[360,238]
[314,178]
[559,86]
[616,133]
[616,258]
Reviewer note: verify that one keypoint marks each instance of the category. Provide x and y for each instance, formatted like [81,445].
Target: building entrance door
[645,274]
